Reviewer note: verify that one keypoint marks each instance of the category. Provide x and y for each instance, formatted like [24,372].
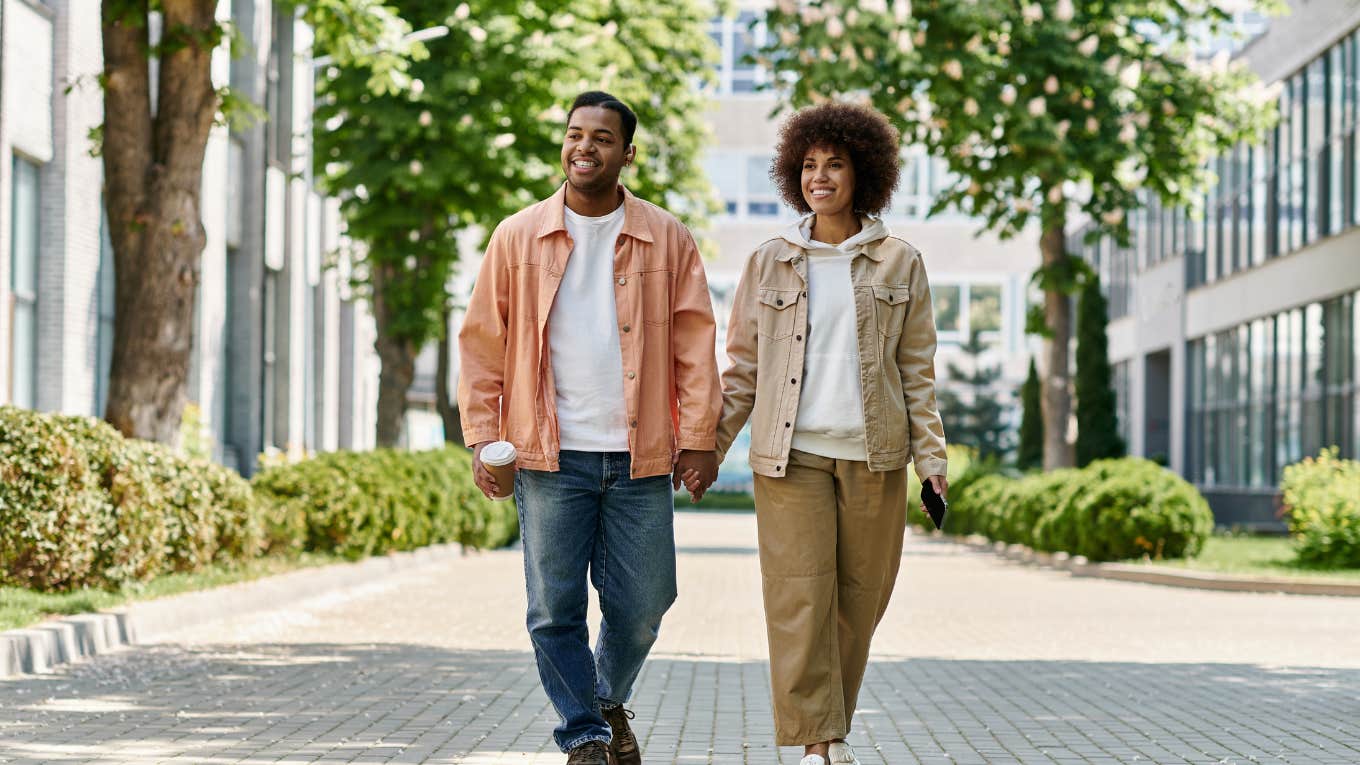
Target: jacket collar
[870,251]
[795,234]
[554,217]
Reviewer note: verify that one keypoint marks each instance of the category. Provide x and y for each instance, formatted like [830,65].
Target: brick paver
[978,661]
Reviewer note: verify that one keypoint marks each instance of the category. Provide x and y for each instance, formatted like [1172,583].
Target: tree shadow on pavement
[408,703]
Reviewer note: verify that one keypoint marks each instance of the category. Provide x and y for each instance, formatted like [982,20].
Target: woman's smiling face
[828,180]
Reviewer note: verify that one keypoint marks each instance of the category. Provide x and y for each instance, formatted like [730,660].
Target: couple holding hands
[588,345]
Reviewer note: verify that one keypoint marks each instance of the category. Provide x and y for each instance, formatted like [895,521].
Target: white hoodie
[831,408]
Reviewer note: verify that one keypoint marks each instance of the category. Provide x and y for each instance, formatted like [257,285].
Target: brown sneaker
[623,748]
[589,753]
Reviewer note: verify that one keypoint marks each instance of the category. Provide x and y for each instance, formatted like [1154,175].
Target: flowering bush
[1322,497]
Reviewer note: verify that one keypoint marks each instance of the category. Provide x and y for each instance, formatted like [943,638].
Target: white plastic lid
[498,453]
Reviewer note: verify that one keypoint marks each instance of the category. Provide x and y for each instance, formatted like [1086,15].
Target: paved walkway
[978,661]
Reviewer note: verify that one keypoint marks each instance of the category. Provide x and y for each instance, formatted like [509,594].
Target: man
[589,344]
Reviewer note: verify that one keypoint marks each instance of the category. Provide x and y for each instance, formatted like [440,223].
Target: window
[761,198]
[104,318]
[737,38]
[984,311]
[1266,394]
[726,177]
[743,182]
[23,272]
[945,299]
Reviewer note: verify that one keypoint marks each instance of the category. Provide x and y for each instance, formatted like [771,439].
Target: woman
[832,352]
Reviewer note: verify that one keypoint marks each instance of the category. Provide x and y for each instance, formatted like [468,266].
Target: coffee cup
[499,459]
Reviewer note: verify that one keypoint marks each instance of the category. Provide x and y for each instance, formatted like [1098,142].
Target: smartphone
[935,504]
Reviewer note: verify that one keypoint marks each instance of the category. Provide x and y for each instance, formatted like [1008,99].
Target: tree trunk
[1057,399]
[398,357]
[443,398]
[153,168]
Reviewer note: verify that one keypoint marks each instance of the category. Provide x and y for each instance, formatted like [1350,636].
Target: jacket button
[788,424]
[778,467]
[799,338]
[622,281]
[794,381]
[779,302]
[632,424]
[631,375]
[627,328]
[805,294]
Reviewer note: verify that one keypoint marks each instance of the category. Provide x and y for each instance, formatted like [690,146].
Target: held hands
[697,470]
[480,475]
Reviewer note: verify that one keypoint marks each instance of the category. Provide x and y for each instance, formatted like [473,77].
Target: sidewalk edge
[1079,566]
[57,642]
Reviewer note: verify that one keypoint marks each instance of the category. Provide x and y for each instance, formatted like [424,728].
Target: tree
[478,135]
[1097,407]
[153,173]
[977,419]
[1030,454]
[1042,109]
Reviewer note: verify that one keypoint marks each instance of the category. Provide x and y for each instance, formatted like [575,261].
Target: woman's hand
[939,483]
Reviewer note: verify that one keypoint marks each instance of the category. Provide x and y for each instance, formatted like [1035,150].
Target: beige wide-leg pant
[830,547]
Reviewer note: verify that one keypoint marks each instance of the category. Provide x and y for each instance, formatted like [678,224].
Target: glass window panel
[24,283]
[984,307]
[105,310]
[24,244]
[726,176]
[758,183]
[944,300]
[1312,435]
[1286,379]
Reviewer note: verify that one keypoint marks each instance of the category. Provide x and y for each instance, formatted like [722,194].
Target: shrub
[976,502]
[82,506]
[363,503]
[1322,497]
[1109,510]
[1138,513]
[1030,499]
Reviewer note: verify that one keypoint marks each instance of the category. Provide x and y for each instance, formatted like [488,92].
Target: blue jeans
[591,517]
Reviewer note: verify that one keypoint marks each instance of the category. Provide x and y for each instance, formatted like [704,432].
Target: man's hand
[697,469]
[480,475]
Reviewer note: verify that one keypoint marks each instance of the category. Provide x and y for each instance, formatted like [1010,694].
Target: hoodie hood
[800,235]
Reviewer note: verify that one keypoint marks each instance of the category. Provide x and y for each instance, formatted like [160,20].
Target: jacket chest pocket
[656,296]
[890,307]
[777,313]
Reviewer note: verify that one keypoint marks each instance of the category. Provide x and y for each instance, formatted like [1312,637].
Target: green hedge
[1110,510]
[82,506]
[1322,496]
[364,503]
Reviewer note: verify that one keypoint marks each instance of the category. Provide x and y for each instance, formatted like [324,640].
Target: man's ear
[630,155]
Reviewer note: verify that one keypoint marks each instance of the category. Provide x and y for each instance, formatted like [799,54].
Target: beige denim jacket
[896,337]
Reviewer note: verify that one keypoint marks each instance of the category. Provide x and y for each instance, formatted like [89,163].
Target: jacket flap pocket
[892,294]
[778,299]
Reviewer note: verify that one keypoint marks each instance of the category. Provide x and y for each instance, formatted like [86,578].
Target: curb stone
[48,645]
[1078,565]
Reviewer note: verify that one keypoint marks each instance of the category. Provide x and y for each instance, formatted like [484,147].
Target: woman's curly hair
[871,141]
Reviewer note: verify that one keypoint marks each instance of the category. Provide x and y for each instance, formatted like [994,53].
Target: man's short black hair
[605,101]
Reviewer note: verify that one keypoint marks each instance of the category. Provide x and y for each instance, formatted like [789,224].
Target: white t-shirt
[583,339]
[830,409]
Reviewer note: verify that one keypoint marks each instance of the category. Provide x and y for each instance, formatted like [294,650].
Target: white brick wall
[71,219]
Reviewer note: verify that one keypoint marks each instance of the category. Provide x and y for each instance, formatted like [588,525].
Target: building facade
[283,354]
[1235,334]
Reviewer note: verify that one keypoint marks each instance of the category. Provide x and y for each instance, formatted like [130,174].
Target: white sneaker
[842,754]
[813,759]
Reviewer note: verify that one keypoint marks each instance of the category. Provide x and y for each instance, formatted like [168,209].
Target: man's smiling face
[593,151]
